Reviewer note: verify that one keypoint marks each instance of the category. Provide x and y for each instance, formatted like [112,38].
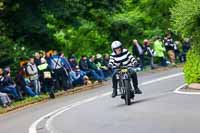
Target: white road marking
[53,114]
[185,93]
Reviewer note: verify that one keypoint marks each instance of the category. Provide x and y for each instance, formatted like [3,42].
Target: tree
[186,20]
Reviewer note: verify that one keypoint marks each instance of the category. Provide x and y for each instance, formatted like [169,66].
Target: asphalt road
[157,110]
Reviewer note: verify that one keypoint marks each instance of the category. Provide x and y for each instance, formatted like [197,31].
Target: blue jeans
[95,75]
[36,86]
[29,91]
[12,91]
[100,73]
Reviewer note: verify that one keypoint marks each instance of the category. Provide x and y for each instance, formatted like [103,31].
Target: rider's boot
[138,91]
[114,94]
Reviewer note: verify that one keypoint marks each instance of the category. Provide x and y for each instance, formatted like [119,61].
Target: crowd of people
[49,72]
[161,52]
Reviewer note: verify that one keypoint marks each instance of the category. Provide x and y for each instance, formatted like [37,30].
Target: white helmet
[116,44]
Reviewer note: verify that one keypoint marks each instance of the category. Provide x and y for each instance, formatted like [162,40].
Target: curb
[45,99]
[194,86]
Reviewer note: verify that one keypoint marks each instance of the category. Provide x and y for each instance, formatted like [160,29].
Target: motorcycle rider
[122,56]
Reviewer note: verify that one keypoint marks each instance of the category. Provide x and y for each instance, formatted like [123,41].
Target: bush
[191,67]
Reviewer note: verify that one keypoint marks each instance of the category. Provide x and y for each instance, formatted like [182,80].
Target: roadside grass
[27,101]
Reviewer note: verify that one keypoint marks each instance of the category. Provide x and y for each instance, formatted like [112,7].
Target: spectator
[46,78]
[37,59]
[32,72]
[169,45]
[106,59]
[160,51]
[55,63]
[176,50]
[185,48]
[78,76]
[7,85]
[149,52]
[92,65]
[4,100]
[73,62]
[84,67]
[139,53]
[21,83]
[68,69]
[100,64]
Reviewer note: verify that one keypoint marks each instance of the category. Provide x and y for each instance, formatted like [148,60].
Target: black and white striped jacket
[125,58]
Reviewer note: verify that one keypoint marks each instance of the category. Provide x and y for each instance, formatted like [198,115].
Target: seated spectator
[32,72]
[106,59]
[149,52]
[46,78]
[100,64]
[93,66]
[7,85]
[21,83]
[73,62]
[4,100]
[83,64]
[78,76]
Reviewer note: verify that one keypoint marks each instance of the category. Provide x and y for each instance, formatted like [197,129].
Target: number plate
[124,70]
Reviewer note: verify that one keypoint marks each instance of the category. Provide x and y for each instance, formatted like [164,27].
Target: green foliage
[185,19]
[191,67]
[77,26]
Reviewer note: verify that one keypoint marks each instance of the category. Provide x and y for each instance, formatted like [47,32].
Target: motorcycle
[124,84]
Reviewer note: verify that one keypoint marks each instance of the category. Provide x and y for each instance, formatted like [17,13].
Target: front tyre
[127,88]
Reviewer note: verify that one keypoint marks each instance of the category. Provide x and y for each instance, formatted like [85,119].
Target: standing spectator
[149,52]
[32,72]
[55,63]
[138,52]
[21,83]
[7,86]
[46,78]
[176,50]
[37,59]
[185,48]
[160,51]
[67,67]
[92,65]
[169,45]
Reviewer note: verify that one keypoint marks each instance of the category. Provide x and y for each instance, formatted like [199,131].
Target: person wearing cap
[78,76]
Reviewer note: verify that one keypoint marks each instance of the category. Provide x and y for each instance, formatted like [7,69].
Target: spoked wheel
[127,88]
